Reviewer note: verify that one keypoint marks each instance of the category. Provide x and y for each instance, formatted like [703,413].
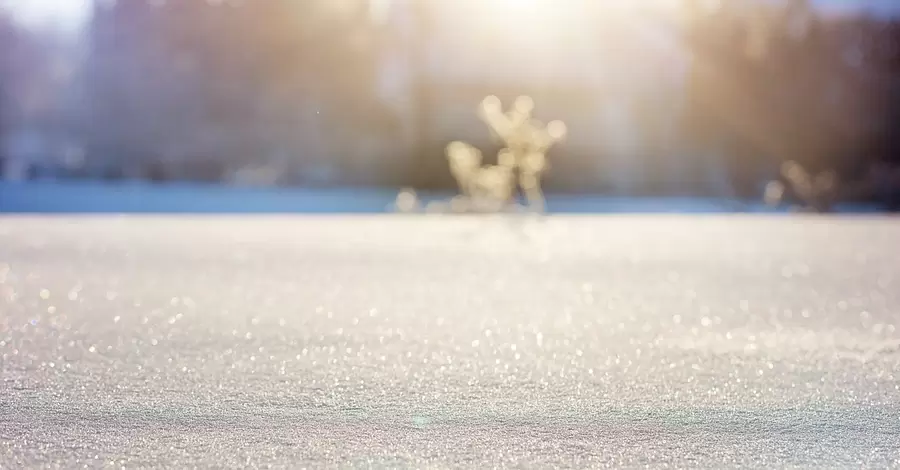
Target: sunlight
[528,21]
[524,13]
[555,16]
[67,14]
[529,7]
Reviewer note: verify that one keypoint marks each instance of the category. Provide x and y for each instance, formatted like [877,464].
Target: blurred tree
[7,40]
[32,79]
[232,83]
[759,86]
[717,89]
[883,160]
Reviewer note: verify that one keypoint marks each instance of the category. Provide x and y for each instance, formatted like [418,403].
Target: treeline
[204,90]
[279,90]
[775,85]
[293,92]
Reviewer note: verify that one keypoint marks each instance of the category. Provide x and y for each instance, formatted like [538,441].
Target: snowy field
[359,341]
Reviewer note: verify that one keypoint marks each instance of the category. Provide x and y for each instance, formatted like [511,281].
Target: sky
[70,14]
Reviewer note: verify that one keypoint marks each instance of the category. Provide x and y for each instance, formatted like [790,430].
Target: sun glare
[515,17]
[66,14]
[519,11]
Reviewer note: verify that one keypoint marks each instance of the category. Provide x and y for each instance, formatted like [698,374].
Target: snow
[702,341]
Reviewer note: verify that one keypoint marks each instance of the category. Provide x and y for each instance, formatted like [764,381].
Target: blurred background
[662,98]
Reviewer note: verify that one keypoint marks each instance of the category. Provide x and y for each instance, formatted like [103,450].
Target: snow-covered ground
[136,197]
[621,341]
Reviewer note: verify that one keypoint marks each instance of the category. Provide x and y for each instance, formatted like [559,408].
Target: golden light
[516,16]
[509,20]
[518,4]
[518,8]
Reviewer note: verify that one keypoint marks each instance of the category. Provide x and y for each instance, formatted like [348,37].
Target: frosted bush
[815,192]
[406,201]
[520,164]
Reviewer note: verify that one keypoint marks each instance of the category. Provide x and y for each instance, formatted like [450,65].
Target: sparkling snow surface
[436,341]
